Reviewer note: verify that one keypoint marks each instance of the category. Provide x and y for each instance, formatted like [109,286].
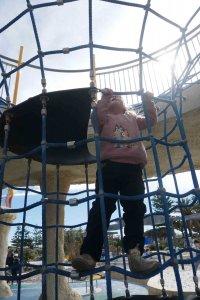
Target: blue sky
[67,26]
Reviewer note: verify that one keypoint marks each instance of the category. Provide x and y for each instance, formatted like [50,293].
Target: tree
[72,241]
[28,254]
[189,208]
[16,240]
[115,244]
[158,205]
[161,232]
[37,238]
[28,240]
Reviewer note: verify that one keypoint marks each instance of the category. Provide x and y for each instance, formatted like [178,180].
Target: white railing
[177,64]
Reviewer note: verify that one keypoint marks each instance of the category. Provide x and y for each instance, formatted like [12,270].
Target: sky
[67,26]
[64,26]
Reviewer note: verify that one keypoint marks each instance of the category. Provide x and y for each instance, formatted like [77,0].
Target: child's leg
[134,210]
[93,242]
[134,225]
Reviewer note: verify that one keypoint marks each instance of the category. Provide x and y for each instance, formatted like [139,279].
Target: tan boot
[140,265]
[83,263]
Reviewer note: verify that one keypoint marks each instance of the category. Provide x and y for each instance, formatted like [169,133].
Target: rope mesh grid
[129,79]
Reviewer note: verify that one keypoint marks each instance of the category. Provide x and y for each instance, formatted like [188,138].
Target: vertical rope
[4,81]
[44,225]
[23,229]
[57,227]
[120,82]
[4,152]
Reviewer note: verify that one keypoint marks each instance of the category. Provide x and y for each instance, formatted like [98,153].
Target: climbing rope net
[129,79]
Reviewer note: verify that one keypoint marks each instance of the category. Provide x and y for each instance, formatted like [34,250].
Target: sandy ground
[186,276]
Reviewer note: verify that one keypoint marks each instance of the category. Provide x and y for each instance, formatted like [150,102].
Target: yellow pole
[17,76]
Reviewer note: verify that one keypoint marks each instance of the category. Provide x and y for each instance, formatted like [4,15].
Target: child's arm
[151,112]
[102,107]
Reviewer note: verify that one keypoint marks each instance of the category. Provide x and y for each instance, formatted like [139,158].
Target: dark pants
[125,179]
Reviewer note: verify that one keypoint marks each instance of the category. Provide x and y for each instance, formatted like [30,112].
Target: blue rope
[43,189]
[4,81]
[174,91]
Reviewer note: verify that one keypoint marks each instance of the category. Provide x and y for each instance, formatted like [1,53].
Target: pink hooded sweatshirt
[117,122]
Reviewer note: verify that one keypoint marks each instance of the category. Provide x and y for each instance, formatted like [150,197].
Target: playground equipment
[44,144]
